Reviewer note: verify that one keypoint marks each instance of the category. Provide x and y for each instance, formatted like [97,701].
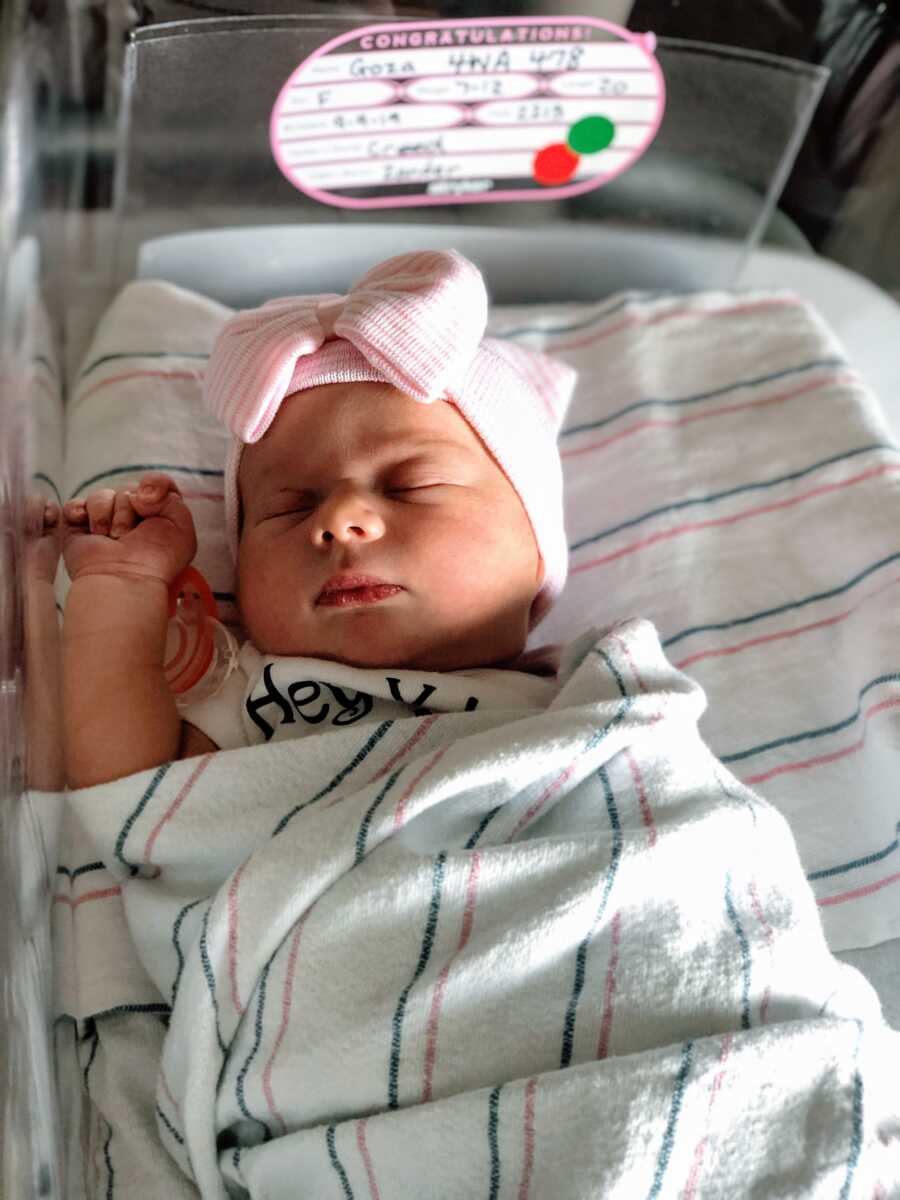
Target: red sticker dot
[555,163]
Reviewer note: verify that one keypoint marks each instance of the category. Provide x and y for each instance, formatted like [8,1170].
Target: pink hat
[417,322]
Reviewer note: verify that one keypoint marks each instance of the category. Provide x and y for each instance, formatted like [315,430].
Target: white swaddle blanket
[728,476]
[562,953]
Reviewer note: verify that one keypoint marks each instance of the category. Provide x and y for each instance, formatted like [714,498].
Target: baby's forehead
[325,423]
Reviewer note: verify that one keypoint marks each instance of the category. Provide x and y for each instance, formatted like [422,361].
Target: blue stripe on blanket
[493,1122]
[41,477]
[596,737]
[613,670]
[159,1010]
[812,733]
[82,870]
[783,608]
[176,929]
[210,979]
[370,812]
[674,1110]
[133,816]
[698,397]
[83,374]
[437,883]
[855,1132]
[336,1162]
[339,778]
[746,964]
[854,864]
[41,360]
[257,1039]
[140,468]
[714,497]
[634,297]
[568,1039]
[573,327]
[107,1158]
[90,1062]
[482,826]
[168,1124]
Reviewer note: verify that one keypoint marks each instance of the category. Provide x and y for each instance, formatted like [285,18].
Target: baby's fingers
[100,505]
[152,493]
[124,517]
[75,512]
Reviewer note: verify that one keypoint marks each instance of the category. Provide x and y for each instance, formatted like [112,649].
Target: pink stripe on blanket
[175,805]
[440,986]
[857,893]
[366,1157]
[691,1185]
[609,989]
[725,410]
[646,812]
[99,894]
[533,809]
[737,310]
[822,759]
[528,1139]
[786,633]
[286,1001]
[400,811]
[423,728]
[626,654]
[696,526]
[233,937]
[769,935]
[193,376]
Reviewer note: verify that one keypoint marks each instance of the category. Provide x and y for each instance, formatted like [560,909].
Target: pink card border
[646,42]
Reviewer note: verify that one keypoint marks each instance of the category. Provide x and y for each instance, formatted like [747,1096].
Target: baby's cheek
[266,595]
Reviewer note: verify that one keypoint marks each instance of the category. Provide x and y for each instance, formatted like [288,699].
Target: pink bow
[417,319]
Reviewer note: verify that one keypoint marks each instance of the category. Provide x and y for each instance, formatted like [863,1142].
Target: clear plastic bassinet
[138,145]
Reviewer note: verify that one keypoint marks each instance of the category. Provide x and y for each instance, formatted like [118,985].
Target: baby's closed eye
[284,504]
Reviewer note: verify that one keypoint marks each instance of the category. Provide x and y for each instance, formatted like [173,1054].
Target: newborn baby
[393,499]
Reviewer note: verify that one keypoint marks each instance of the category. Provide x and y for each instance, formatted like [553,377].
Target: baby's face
[359,479]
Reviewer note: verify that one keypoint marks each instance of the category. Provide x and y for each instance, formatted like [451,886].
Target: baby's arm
[122,551]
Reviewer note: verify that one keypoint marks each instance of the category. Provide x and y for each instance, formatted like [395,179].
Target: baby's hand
[148,533]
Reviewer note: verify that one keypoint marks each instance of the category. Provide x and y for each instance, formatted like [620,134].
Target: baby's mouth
[342,591]
[366,595]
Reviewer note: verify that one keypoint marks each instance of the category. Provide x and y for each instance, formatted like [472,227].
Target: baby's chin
[372,650]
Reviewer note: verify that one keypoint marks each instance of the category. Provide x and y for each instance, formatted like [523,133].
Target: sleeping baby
[393,500]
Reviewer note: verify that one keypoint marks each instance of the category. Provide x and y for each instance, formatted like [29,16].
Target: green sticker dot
[591,134]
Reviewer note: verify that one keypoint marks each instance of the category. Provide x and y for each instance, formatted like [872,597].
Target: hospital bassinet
[153,162]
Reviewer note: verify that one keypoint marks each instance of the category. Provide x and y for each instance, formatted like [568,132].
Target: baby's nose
[346,517]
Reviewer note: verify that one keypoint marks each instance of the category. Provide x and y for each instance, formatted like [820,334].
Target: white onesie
[270,697]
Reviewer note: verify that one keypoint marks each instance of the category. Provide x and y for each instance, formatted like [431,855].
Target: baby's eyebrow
[390,454]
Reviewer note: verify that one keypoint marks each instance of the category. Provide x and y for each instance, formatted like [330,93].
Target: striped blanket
[728,476]
[562,954]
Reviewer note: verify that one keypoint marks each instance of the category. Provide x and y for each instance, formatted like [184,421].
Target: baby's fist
[148,533]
